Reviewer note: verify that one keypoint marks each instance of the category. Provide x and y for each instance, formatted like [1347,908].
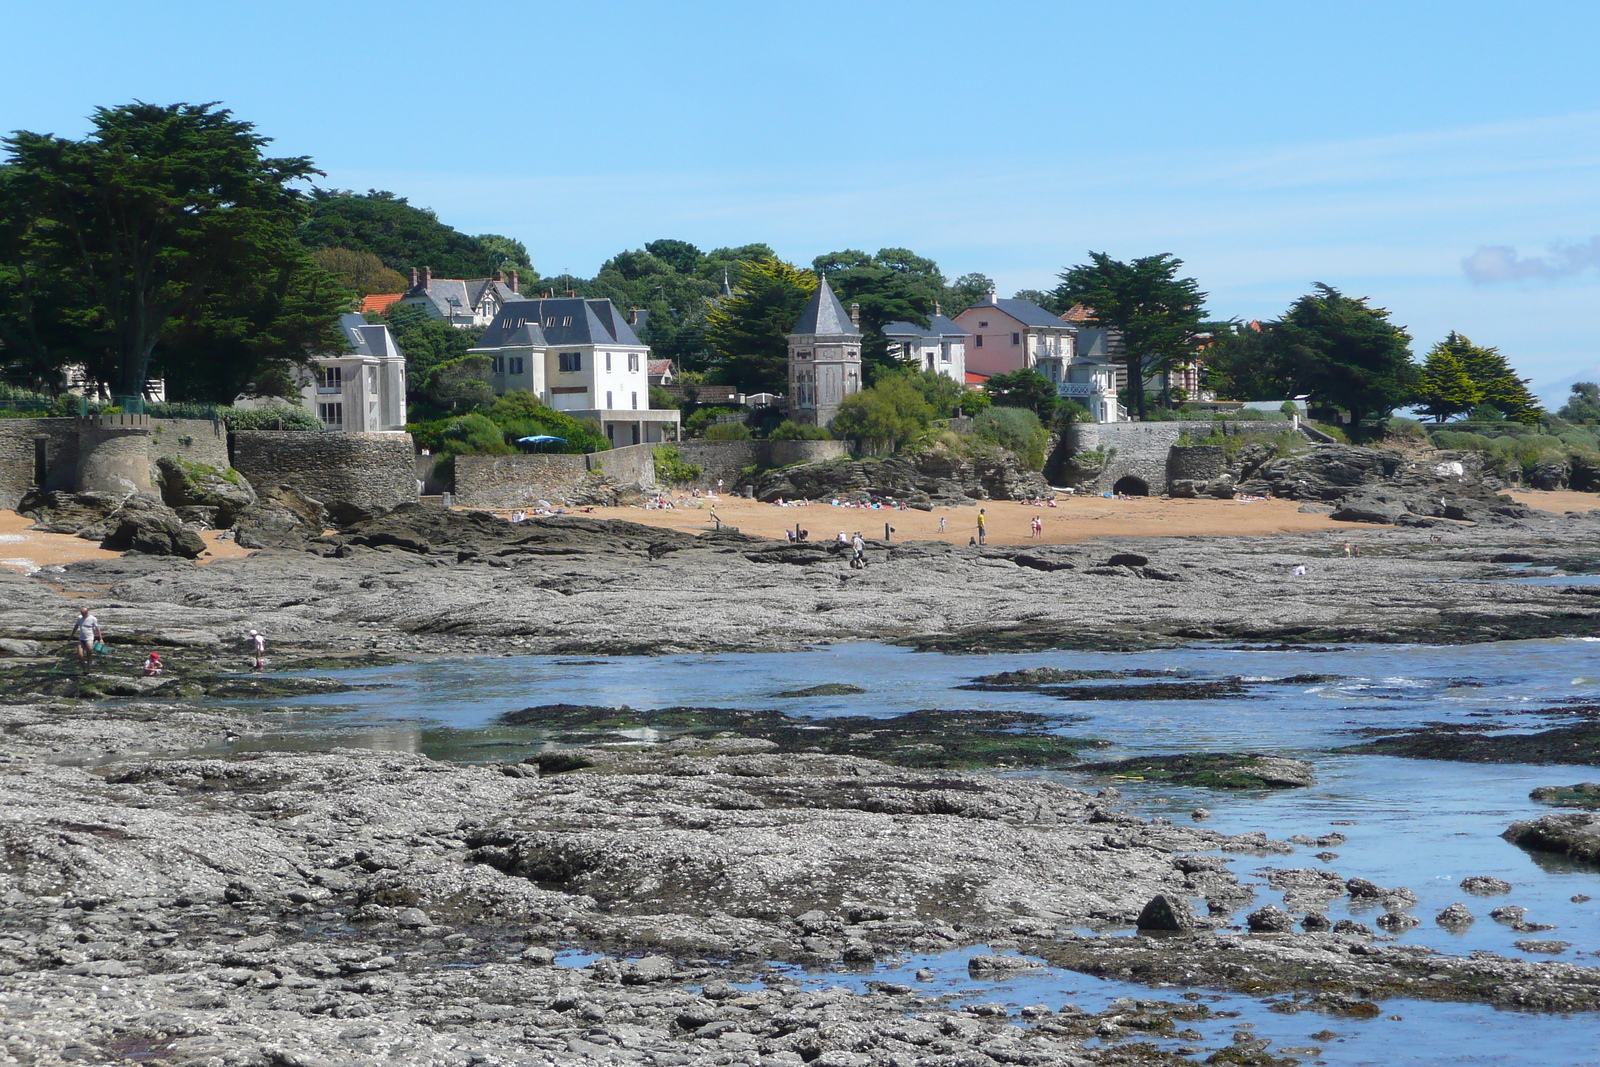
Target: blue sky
[1439,157]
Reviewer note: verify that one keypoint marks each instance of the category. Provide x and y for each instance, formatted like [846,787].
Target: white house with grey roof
[824,358]
[465,303]
[940,346]
[578,356]
[361,389]
[1012,335]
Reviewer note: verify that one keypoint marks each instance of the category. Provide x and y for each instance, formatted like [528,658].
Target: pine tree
[749,330]
[1498,385]
[1446,389]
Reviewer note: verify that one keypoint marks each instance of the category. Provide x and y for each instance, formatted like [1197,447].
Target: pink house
[1013,335]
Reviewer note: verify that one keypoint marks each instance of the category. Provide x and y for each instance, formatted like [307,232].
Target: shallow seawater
[1416,823]
[1409,1033]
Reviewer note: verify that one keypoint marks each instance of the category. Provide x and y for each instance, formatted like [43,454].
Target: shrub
[695,425]
[793,431]
[670,467]
[475,435]
[1406,428]
[893,412]
[1017,429]
[728,431]
[663,400]
[272,417]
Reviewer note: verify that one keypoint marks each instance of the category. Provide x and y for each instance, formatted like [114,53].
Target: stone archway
[1128,485]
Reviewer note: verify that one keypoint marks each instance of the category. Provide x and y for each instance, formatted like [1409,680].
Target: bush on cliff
[728,431]
[1017,429]
[892,413]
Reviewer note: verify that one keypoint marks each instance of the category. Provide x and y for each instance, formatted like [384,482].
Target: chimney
[514,283]
[993,297]
[413,277]
[571,293]
[499,276]
[936,310]
[427,277]
[855,314]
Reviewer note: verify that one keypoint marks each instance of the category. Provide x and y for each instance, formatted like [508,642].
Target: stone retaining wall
[523,481]
[351,473]
[518,481]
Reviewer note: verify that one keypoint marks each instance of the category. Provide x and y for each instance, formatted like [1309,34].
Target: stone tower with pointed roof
[824,359]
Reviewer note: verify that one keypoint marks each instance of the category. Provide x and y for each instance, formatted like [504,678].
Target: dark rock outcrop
[1574,834]
[144,524]
[280,518]
[195,485]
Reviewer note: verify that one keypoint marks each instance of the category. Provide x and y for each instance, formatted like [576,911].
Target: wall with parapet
[353,474]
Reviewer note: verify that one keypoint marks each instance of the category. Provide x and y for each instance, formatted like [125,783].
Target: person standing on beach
[258,645]
[941,524]
[87,628]
[983,531]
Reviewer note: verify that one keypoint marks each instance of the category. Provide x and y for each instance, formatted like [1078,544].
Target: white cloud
[1500,263]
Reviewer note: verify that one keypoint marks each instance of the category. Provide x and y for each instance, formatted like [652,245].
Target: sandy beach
[25,550]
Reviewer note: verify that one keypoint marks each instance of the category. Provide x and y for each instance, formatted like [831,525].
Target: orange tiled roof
[378,303]
[1078,313]
[974,378]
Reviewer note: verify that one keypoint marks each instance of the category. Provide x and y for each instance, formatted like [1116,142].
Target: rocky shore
[166,902]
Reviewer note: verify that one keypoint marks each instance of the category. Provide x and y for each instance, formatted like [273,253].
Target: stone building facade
[824,358]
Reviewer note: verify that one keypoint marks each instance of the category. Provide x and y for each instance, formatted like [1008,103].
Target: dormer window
[567,320]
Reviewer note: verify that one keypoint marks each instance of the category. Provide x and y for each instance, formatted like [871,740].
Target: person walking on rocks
[258,645]
[859,547]
[983,527]
[152,665]
[87,628]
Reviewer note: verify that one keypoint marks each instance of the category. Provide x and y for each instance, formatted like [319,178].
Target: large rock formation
[204,493]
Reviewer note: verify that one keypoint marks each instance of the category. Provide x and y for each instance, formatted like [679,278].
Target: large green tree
[155,214]
[1241,363]
[1445,389]
[46,319]
[401,235]
[246,339]
[895,285]
[1492,377]
[1583,405]
[1345,353]
[749,330]
[426,343]
[1159,314]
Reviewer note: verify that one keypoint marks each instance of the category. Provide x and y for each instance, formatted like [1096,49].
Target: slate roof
[467,293]
[558,321]
[1027,313]
[824,316]
[938,326]
[367,340]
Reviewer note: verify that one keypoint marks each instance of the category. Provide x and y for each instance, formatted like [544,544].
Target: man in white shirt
[87,628]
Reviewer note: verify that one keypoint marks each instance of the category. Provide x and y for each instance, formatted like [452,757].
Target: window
[332,415]
[567,320]
[497,365]
[633,363]
[516,364]
[636,433]
[330,379]
[608,361]
[983,325]
[977,340]
[1016,338]
[611,432]
[571,361]
[551,321]
[608,400]
[636,406]
[944,354]
[802,353]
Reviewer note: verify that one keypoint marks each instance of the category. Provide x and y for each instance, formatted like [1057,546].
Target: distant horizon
[1438,160]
